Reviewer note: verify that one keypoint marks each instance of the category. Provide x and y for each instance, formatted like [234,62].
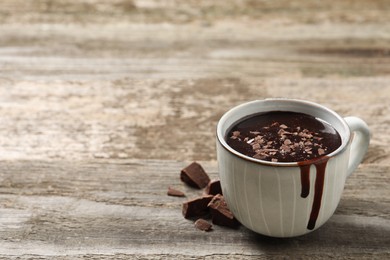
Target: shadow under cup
[265,196]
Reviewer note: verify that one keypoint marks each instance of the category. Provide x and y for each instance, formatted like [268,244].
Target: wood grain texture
[103,102]
[58,208]
[115,107]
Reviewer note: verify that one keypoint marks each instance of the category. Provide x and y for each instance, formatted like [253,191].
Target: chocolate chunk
[213,188]
[175,193]
[196,207]
[220,213]
[203,225]
[195,176]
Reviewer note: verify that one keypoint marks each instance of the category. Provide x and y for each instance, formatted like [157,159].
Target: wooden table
[103,102]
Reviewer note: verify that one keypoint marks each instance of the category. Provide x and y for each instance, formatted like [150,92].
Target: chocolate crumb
[195,176]
[203,225]
[175,193]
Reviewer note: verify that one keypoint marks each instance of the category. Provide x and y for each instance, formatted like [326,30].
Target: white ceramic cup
[266,196]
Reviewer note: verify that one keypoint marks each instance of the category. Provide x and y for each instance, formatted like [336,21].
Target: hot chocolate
[289,137]
[283,137]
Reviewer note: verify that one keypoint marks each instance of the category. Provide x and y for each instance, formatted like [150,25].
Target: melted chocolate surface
[283,137]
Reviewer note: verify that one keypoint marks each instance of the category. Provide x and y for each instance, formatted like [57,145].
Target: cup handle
[360,141]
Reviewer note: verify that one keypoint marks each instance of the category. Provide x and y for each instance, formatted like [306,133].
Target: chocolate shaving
[203,225]
[256,146]
[250,141]
[195,176]
[236,133]
[260,156]
[320,151]
[259,139]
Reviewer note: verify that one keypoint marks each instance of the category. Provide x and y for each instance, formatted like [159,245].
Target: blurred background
[85,79]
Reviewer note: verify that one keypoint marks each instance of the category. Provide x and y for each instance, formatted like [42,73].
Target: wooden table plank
[74,208]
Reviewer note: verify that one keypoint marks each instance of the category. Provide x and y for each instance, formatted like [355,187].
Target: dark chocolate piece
[196,207]
[220,213]
[175,193]
[213,188]
[195,176]
[203,225]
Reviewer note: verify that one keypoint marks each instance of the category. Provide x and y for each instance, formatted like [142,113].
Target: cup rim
[227,114]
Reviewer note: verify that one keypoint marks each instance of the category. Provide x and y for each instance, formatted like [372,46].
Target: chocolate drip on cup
[320,164]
